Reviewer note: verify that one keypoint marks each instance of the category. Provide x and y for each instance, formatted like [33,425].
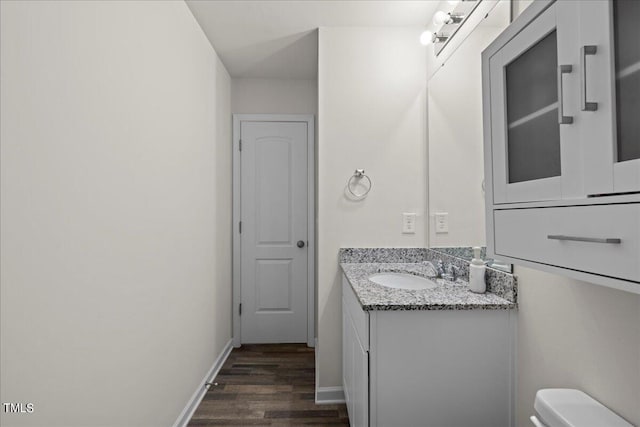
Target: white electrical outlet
[442,222]
[409,223]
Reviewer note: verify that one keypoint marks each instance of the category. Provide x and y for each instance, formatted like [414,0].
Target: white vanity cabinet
[561,101]
[431,368]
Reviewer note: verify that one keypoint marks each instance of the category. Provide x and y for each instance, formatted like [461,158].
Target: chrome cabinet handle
[584,51]
[562,119]
[584,239]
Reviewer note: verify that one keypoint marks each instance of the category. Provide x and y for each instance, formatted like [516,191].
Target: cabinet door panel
[611,133]
[626,33]
[359,317]
[347,358]
[355,357]
[534,148]
[361,387]
[530,147]
[355,374]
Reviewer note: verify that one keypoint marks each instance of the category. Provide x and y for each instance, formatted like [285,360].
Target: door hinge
[240,145]
[240,310]
[240,227]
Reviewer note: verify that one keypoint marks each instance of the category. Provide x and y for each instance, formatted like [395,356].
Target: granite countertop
[447,296]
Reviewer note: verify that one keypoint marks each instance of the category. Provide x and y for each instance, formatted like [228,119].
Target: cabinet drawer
[583,238]
[358,315]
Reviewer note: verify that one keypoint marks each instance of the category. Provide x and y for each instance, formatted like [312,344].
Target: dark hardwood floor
[267,385]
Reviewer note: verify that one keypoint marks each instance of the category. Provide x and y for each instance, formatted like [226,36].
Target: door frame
[236,254]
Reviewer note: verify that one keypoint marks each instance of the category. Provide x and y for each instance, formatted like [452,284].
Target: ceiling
[278,39]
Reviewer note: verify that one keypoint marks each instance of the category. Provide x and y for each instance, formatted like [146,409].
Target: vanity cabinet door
[533,90]
[610,95]
[355,358]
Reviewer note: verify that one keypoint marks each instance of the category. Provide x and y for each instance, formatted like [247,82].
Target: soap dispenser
[476,273]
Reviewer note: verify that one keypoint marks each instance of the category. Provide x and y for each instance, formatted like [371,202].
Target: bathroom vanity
[434,357]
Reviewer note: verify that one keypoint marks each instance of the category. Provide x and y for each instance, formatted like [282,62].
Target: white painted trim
[192,404]
[329,395]
[311,217]
[311,231]
[236,254]
[373,368]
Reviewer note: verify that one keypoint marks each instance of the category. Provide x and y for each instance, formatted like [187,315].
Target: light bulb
[453,2]
[426,38]
[440,17]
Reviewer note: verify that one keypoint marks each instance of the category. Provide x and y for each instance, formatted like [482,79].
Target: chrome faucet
[451,273]
[439,268]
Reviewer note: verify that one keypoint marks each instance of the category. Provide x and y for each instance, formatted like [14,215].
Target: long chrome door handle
[562,119]
[584,239]
[584,51]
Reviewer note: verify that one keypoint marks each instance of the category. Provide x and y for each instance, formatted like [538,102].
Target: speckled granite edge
[464,252]
[500,283]
[369,255]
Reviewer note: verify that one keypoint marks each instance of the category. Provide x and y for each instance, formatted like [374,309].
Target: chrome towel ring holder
[357,176]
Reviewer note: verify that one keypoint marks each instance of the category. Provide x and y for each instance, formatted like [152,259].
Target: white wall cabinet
[432,368]
[561,100]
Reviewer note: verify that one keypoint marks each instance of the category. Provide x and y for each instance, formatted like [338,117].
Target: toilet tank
[562,407]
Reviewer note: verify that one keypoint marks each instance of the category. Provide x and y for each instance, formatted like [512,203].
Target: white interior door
[274,239]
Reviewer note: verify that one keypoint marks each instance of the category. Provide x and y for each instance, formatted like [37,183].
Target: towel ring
[358,175]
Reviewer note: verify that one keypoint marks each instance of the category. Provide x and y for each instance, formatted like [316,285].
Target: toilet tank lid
[564,407]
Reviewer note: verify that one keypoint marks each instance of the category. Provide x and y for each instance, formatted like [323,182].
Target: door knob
[300,244]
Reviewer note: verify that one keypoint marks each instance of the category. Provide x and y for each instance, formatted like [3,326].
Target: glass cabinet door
[626,40]
[530,79]
[610,72]
[533,132]
[626,30]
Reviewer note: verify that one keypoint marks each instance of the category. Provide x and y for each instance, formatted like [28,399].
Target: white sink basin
[402,281]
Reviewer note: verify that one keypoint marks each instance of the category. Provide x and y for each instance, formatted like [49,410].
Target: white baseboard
[192,404]
[329,395]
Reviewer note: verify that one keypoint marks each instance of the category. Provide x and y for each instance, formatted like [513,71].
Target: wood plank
[267,385]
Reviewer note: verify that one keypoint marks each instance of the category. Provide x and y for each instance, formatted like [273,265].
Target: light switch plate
[442,222]
[409,223]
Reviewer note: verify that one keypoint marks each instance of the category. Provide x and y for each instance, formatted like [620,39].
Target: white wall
[116,211]
[274,96]
[371,115]
[518,6]
[578,335]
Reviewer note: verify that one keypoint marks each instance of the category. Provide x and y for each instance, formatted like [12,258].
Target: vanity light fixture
[455,18]
[450,22]
[439,17]
[428,37]
[442,18]
[439,38]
